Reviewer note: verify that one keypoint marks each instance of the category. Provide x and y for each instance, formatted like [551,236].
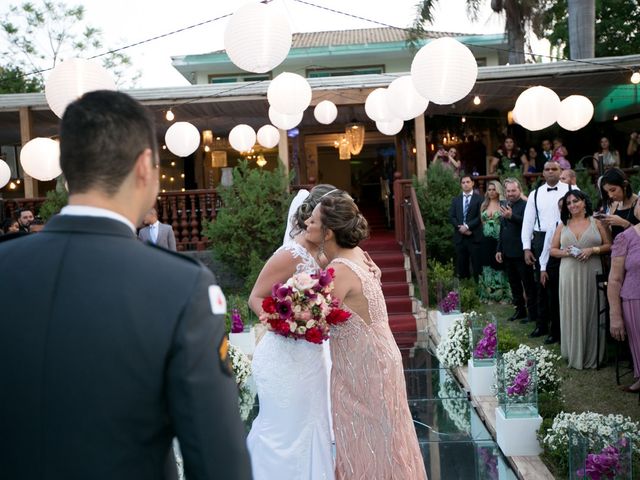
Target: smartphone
[504,203]
[574,251]
[599,215]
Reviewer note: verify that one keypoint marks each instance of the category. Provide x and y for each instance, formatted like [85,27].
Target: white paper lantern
[537,108]
[5,173]
[325,112]
[576,111]
[268,136]
[403,99]
[258,37]
[242,137]
[289,93]
[73,78]
[390,127]
[40,159]
[444,71]
[182,139]
[377,107]
[282,121]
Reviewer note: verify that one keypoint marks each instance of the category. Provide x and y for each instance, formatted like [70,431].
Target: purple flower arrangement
[605,464]
[520,383]
[486,347]
[237,326]
[488,463]
[450,303]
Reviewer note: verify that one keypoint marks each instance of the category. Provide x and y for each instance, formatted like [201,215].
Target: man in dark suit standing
[109,348]
[157,233]
[464,215]
[510,252]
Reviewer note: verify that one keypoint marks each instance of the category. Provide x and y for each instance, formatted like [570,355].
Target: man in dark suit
[25,219]
[464,215]
[156,232]
[510,252]
[108,348]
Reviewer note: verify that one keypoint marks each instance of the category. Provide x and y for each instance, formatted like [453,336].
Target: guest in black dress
[617,194]
[508,157]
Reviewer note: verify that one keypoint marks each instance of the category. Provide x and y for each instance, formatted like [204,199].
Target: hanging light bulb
[261,161]
[615,118]
[635,78]
[464,119]
[476,100]
[169,115]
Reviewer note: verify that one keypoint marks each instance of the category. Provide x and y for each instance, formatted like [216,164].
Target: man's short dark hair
[20,211]
[467,176]
[101,136]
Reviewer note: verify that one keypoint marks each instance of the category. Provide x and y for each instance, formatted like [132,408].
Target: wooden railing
[410,233]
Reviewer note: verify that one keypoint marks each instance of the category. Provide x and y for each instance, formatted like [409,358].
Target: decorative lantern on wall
[268,136]
[325,112]
[342,144]
[444,71]
[258,37]
[576,111]
[242,137]
[403,99]
[537,108]
[182,139]
[354,133]
[5,173]
[40,159]
[71,79]
[289,93]
[391,127]
[376,106]
[282,121]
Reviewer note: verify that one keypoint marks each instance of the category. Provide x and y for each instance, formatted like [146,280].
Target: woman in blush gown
[374,432]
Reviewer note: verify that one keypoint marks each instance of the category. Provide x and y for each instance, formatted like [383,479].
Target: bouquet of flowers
[520,383]
[486,347]
[302,308]
[450,303]
[546,366]
[455,348]
[237,326]
[241,365]
[605,464]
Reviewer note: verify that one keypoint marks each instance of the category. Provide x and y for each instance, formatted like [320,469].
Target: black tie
[551,189]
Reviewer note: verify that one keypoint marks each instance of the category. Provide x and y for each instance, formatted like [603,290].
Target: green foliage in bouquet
[251,222]
[434,194]
[56,199]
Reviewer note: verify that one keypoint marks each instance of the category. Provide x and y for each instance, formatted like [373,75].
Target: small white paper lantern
[71,79]
[444,71]
[268,136]
[242,137]
[325,112]
[258,37]
[40,159]
[5,173]
[182,139]
[403,99]
[576,111]
[282,121]
[377,107]
[390,127]
[289,93]
[537,108]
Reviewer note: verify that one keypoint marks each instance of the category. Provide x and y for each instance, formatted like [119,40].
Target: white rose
[303,281]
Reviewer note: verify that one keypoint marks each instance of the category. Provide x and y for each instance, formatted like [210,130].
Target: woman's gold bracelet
[596,250]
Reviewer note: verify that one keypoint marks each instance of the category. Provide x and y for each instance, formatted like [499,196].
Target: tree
[13,80]
[41,34]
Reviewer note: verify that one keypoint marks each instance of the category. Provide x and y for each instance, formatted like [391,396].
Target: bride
[290,439]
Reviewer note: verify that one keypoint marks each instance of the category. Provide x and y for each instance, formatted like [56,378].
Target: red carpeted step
[387,258]
[395,289]
[377,244]
[394,274]
[399,305]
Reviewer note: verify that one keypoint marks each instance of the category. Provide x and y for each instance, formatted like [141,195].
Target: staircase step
[380,243]
[399,305]
[395,289]
[387,258]
[394,274]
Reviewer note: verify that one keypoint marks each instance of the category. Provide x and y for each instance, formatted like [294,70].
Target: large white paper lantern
[444,71]
[40,159]
[258,37]
[390,127]
[325,112]
[537,108]
[73,78]
[242,137]
[377,107]
[289,93]
[576,111]
[5,173]
[282,121]
[182,139]
[403,99]
[268,136]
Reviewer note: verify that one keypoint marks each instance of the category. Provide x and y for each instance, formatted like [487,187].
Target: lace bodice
[307,262]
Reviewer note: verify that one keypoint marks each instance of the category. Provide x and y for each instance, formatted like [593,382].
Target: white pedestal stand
[444,321]
[245,341]
[481,378]
[517,436]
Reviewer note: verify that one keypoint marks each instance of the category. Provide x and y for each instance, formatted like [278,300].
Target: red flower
[313,335]
[337,315]
[283,328]
[269,305]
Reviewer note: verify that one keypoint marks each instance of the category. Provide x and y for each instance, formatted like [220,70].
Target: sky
[129,21]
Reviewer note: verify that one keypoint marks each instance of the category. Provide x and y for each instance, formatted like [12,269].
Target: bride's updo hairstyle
[340,214]
[305,209]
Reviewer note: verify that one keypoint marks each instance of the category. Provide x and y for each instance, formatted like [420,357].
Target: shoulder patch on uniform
[225,360]
[217,300]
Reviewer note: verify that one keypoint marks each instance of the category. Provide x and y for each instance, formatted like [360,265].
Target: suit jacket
[510,241]
[166,238]
[109,349]
[456,217]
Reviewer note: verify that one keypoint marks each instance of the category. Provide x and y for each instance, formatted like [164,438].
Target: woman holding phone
[616,192]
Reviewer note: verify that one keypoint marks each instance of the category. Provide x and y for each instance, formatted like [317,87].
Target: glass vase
[517,388]
[599,456]
[448,294]
[484,339]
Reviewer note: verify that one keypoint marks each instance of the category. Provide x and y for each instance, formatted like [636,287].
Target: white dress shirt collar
[87,211]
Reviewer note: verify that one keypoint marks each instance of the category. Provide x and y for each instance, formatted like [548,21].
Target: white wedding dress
[290,439]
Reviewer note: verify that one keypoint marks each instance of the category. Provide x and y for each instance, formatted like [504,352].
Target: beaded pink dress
[374,432]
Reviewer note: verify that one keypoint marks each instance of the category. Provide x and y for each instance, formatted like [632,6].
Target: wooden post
[283,150]
[421,147]
[26,132]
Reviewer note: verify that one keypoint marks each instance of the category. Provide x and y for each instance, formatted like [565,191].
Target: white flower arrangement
[241,365]
[454,349]
[546,365]
[457,407]
[590,424]
[247,400]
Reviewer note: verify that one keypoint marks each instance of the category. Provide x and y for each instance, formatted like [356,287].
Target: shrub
[469,299]
[252,219]
[56,199]
[507,340]
[583,180]
[635,182]
[438,273]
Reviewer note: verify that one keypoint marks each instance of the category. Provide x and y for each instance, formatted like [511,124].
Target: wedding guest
[10,225]
[547,150]
[617,195]
[508,156]
[464,216]
[156,232]
[624,294]
[510,253]
[560,153]
[579,241]
[120,347]
[25,218]
[374,432]
[569,177]
[532,160]
[633,152]
[448,159]
[605,155]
